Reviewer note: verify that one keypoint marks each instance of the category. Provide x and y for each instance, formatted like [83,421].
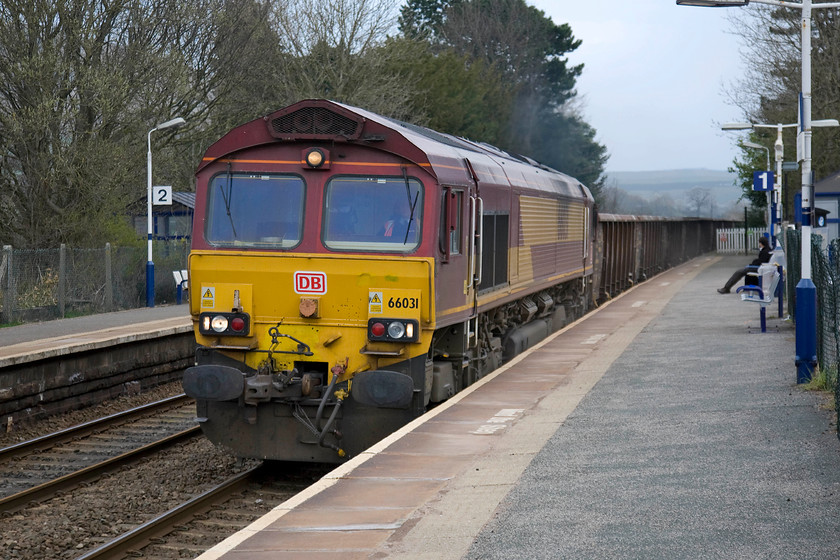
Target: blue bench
[770,282]
[182,284]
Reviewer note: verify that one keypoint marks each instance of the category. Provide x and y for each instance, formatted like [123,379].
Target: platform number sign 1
[762,180]
[162,196]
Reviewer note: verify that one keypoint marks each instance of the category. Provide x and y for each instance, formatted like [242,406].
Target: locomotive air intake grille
[314,121]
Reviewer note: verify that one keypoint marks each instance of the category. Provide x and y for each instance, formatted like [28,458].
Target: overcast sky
[654,79]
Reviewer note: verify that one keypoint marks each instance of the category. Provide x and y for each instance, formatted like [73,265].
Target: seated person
[397,225]
[763,257]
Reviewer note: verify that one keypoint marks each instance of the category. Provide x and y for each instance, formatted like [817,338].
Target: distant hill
[673,179]
[676,182]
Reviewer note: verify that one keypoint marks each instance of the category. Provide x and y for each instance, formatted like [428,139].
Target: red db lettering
[310,283]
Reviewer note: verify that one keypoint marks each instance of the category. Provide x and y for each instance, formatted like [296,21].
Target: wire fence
[43,284]
[825,273]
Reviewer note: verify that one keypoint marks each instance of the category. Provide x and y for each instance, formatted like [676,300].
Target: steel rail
[165,523]
[88,428]
[39,493]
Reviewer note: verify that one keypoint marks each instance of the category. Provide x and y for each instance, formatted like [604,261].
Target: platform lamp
[150,265]
[779,149]
[757,146]
[806,291]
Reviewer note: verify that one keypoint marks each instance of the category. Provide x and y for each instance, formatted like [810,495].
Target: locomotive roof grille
[314,122]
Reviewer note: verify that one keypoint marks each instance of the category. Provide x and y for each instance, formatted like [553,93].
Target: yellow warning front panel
[220,296]
[399,304]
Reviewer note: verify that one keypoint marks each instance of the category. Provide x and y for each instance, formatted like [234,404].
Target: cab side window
[452,207]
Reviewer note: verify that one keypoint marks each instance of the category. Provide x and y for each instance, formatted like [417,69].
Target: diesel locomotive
[348,271]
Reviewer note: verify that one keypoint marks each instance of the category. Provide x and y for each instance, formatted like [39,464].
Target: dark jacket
[763,257]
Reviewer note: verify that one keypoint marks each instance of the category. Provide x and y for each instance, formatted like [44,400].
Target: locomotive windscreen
[255,210]
[373,213]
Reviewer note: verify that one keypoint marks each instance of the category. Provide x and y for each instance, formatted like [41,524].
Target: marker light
[225,324]
[393,330]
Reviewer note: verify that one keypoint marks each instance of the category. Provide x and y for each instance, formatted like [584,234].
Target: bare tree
[336,49]
[81,82]
[769,90]
[612,199]
[697,199]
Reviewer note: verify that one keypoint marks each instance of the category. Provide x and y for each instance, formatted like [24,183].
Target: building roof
[185,198]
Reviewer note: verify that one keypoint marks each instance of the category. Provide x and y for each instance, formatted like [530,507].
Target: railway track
[197,524]
[160,526]
[55,477]
[38,469]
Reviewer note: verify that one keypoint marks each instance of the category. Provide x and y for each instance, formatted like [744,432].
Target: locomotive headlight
[396,330]
[219,323]
[316,158]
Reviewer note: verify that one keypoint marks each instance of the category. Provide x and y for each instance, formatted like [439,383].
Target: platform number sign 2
[762,180]
[162,196]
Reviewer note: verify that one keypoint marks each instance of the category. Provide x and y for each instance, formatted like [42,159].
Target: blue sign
[762,180]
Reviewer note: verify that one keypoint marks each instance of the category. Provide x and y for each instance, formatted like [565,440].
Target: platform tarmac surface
[46,339]
[658,427]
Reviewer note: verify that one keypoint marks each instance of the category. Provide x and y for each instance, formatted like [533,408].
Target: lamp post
[150,265]
[779,149]
[806,292]
[756,146]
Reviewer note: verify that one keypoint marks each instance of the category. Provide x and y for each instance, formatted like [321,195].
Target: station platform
[30,342]
[662,425]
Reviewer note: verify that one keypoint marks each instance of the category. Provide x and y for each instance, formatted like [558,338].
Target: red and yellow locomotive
[348,270]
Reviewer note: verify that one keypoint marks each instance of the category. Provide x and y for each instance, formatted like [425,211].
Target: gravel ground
[69,525]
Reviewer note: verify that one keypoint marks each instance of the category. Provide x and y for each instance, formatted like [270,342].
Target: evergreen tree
[529,53]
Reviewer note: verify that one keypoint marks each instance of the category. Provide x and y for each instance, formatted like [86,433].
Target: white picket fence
[730,241]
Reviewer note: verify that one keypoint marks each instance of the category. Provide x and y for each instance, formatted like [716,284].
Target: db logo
[310,283]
